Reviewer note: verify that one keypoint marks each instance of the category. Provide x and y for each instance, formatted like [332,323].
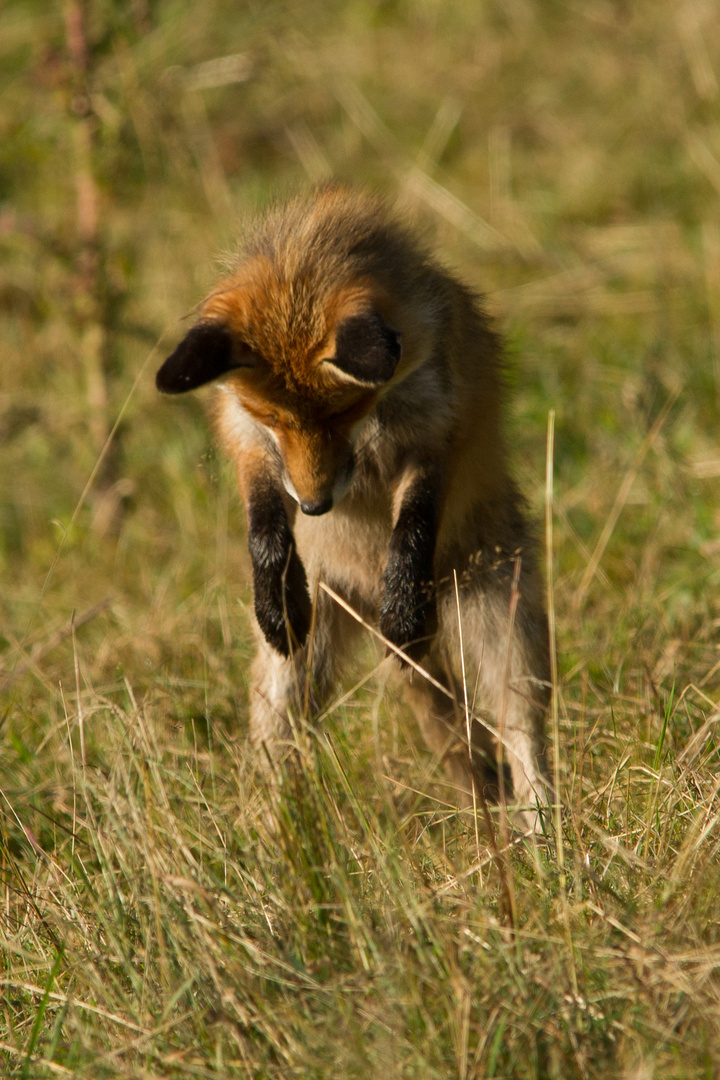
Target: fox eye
[366,348]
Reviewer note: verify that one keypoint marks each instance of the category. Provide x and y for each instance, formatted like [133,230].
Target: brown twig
[88,294]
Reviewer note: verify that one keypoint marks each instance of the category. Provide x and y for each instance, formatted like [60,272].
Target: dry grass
[567,158]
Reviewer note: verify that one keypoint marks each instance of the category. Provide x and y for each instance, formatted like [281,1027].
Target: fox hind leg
[507,679]
[288,691]
[508,661]
[443,728]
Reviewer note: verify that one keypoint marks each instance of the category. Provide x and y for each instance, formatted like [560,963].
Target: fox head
[309,383]
[331,303]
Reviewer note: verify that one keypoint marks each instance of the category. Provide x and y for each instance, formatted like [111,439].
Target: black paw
[282,605]
[407,614]
[407,611]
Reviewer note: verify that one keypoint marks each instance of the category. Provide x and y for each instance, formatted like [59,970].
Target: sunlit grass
[566,160]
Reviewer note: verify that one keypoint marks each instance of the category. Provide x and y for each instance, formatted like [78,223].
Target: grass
[566,159]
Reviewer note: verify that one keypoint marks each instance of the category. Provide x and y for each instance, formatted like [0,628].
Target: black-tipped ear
[204,354]
[366,349]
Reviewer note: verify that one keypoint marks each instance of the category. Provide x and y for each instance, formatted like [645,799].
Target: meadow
[565,159]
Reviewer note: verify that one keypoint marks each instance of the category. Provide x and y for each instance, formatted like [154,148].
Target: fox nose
[314,509]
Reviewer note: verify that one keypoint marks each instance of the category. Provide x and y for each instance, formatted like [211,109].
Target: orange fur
[360,379]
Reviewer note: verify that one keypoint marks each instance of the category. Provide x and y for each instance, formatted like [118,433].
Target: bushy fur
[364,383]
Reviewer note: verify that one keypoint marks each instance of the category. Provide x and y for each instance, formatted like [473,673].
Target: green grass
[566,159]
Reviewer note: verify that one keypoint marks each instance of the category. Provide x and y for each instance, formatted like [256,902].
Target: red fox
[359,391]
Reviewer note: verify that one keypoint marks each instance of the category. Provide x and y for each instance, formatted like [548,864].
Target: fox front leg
[282,603]
[407,610]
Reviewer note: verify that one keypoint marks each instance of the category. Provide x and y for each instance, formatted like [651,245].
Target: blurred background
[564,158]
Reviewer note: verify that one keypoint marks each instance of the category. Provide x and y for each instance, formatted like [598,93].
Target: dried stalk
[89,305]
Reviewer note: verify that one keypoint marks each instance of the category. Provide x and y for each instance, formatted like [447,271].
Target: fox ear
[205,353]
[366,348]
